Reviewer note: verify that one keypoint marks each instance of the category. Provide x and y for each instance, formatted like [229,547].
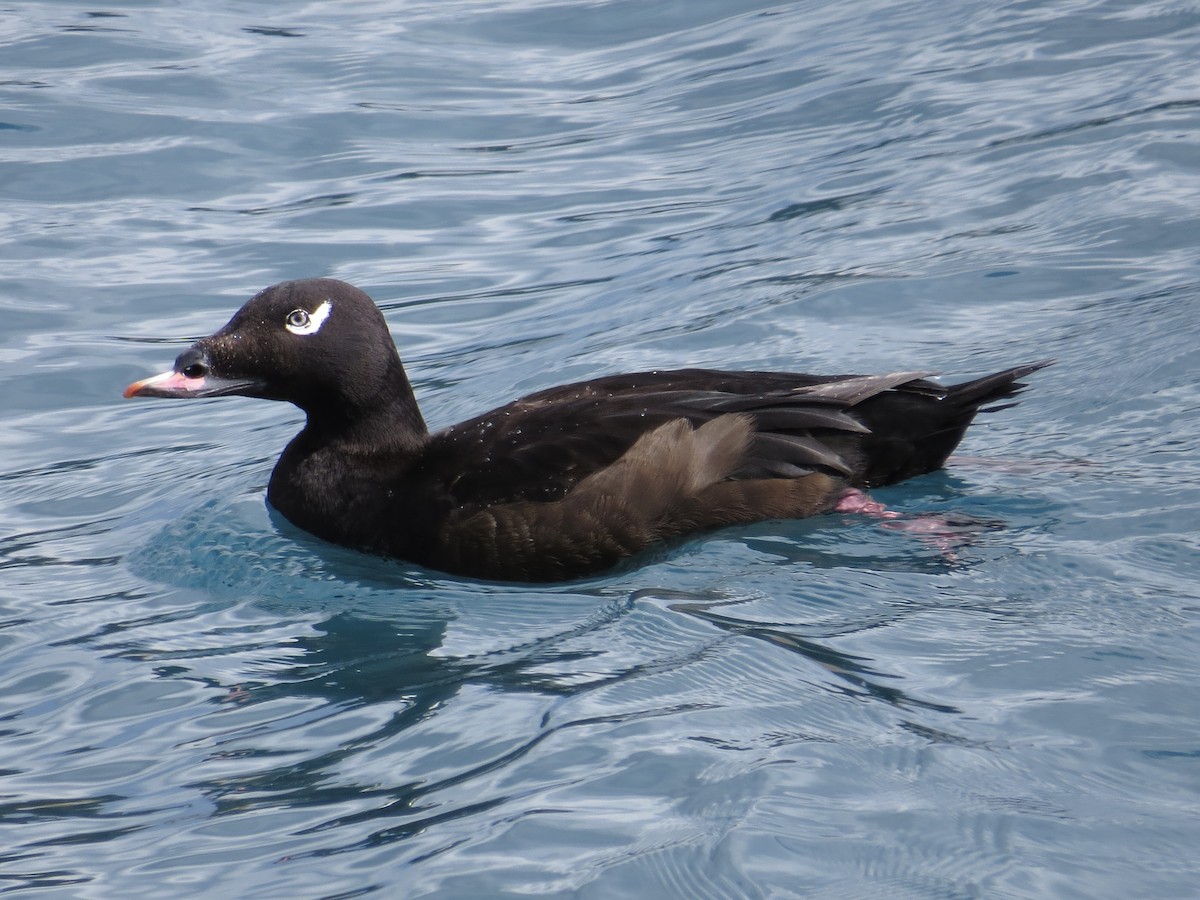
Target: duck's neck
[379,419]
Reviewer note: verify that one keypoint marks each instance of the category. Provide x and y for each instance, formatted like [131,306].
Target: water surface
[198,700]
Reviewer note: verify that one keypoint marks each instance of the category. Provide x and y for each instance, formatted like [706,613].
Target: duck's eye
[301,321]
[298,319]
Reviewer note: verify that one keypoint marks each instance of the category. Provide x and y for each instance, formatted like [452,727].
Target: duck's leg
[855,501]
[938,531]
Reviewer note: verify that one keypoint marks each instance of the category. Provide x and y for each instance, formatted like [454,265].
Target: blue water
[196,700]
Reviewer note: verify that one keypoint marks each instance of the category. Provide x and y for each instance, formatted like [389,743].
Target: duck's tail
[918,425]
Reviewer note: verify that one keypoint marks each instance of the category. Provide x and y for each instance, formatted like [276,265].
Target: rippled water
[198,700]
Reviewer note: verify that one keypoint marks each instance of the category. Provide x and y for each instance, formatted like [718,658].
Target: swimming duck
[567,481]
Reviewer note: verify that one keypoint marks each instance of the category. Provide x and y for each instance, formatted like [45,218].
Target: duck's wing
[540,447]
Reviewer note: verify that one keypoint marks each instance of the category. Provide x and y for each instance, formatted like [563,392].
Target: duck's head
[316,342]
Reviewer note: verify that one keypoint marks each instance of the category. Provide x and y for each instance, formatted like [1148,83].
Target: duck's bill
[176,384]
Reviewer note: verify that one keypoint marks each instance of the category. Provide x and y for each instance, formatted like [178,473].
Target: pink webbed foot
[939,531]
[856,501]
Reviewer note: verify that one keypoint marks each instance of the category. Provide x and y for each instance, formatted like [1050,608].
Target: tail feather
[998,386]
[912,436]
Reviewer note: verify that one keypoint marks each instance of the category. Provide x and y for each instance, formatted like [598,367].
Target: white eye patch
[301,321]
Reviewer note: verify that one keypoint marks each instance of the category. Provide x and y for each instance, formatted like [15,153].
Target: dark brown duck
[567,481]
